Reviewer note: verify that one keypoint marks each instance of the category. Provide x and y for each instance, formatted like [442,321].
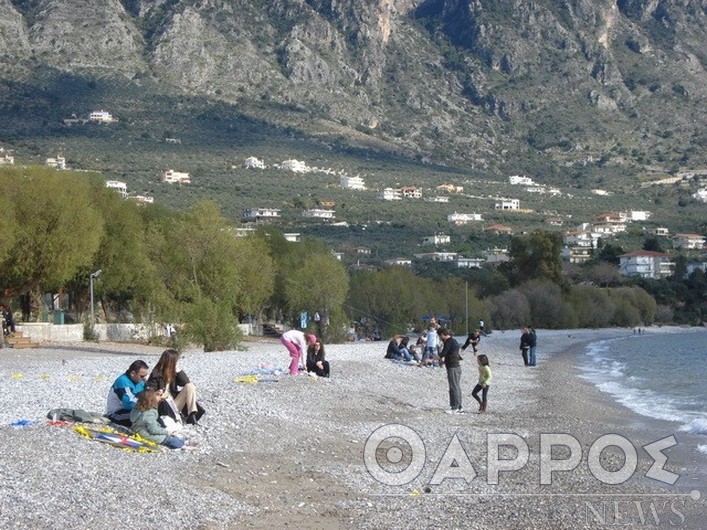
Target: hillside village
[581,238]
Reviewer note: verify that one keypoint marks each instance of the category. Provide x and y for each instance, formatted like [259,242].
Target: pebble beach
[301,452]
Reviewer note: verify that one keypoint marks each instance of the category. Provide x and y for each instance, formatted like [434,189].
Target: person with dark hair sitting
[123,394]
[168,377]
[316,363]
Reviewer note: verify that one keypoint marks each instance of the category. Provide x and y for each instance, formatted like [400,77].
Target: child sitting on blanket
[144,420]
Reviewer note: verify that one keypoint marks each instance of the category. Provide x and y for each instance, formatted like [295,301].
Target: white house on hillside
[410,192]
[101,116]
[318,213]
[688,241]
[293,237]
[463,218]
[175,177]
[118,186]
[57,163]
[701,194]
[507,204]
[469,263]
[143,199]
[520,180]
[253,163]
[437,256]
[639,215]
[400,262]
[389,194]
[256,214]
[352,183]
[438,239]
[646,263]
[296,166]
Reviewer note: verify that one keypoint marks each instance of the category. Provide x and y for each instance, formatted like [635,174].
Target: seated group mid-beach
[155,407]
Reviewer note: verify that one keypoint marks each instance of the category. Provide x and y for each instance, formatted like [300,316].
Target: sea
[659,374]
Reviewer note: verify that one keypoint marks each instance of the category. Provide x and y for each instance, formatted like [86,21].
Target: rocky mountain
[558,87]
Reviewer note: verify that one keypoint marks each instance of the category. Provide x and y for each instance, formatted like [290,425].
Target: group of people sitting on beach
[155,406]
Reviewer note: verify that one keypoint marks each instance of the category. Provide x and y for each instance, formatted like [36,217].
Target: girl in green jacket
[484,382]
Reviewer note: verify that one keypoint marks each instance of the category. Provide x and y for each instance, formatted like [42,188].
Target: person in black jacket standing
[451,357]
[524,344]
[532,345]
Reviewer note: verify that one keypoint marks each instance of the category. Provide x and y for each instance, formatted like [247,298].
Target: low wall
[47,332]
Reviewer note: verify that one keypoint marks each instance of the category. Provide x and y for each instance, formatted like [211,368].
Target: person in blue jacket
[124,391]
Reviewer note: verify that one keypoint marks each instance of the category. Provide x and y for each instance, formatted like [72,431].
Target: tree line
[165,265]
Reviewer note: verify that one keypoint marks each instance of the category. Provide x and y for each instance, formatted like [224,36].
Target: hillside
[578,94]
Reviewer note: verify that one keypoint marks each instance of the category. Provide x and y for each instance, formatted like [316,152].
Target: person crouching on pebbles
[484,382]
[451,357]
[296,343]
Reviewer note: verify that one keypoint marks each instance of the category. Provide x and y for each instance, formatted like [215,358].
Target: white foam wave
[696,426]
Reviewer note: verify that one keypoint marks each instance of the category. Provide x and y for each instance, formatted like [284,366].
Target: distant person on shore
[124,392]
[524,344]
[532,346]
[484,381]
[168,377]
[296,343]
[481,326]
[316,361]
[431,341]
[472,340]
[145,420]
[8,323]
[451,357]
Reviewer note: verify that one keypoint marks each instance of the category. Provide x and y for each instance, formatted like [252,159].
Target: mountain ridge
[551,85]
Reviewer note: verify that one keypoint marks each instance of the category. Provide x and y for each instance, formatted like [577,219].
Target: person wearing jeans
[532,345]
[451,357]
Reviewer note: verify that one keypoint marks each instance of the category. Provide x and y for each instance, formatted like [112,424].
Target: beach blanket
[110,436]
[260,375]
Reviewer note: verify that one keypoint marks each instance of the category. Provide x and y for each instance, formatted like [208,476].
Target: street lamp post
[93,276]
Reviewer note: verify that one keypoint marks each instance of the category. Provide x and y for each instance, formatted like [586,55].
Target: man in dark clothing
[525,344]
[451,357]
[532,344]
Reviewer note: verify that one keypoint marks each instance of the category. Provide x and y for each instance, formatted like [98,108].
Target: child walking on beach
[484,382]
[144,420]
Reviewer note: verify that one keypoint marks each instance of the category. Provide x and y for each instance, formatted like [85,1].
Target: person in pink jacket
[296,343]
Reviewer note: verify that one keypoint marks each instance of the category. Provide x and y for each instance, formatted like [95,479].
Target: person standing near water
[532,345]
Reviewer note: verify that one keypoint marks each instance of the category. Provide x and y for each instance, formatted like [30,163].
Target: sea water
[660,374]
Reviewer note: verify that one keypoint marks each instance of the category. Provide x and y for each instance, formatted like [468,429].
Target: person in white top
[296,343]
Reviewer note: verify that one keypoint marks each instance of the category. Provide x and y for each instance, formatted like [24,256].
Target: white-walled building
[296,166]
[389,194]
[352,183]
[520,180]
[436,198]
[639,215]
[256,214]
[451,188]
[688,241]
[469,263]
[507,204]
[101,116]
[293,237]
[437,256]
[438,239]
[118,186]
[463,218]
[658,231]
[175,177]
[57,163]
[496,255]
[318,213]
[400,262]
[253,163]
[646,263]
[143,199]
[410,192]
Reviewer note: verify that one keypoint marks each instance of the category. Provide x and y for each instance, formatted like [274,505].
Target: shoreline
[291,453]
